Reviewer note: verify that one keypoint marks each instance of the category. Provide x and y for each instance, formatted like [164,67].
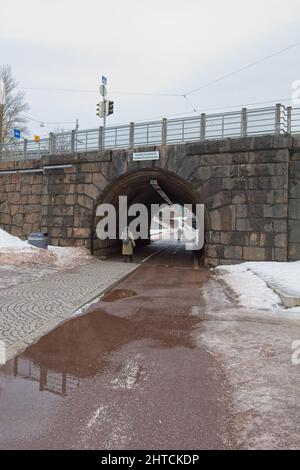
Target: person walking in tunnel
[179,234]
[128,244]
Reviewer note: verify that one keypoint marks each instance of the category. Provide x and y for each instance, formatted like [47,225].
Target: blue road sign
[17,134]
[104,80]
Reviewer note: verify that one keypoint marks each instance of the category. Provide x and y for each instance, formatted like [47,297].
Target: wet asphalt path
[127,375]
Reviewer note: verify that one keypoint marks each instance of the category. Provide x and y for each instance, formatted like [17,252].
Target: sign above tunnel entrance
[142,156]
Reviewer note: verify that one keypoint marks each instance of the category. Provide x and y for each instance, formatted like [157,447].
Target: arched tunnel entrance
[147,186]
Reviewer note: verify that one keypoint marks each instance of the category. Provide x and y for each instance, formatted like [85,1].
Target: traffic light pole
[104,123]
[107,108]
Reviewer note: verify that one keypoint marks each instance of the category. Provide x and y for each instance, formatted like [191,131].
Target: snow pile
[27,266]
[69,257]
[8,241]
[250,289]
[17,253]
[263,285]
[14,251]
[282,276]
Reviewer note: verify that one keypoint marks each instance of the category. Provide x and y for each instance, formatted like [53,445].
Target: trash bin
[38,239]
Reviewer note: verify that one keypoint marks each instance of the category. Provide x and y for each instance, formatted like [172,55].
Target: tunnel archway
[136,185]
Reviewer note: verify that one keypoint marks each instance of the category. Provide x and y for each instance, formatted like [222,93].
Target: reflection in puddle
[74,351]
[51,381]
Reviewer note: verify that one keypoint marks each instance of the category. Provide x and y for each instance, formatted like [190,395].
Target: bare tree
[62,139]
[12,105]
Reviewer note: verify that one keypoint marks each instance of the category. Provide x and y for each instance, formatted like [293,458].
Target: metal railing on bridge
[246,122]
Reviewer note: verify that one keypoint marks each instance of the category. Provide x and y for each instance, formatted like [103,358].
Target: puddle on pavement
[80,349]
[118,294]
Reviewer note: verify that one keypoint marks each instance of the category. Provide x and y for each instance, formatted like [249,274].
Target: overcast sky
[163,46]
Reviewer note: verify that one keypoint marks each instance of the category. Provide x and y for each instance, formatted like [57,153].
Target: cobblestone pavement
[31,309]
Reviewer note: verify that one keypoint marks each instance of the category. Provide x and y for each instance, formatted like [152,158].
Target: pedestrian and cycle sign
[17,134]
[104,80]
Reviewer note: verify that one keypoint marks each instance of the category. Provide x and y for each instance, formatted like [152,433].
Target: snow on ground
[255,348]
[256,284]
[8,241]
[282,276]
[21,262]
[16,252]
[68,257]
[249,331]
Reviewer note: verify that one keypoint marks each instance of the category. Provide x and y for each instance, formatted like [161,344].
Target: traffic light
[100,109]
[105,108]
[109,107]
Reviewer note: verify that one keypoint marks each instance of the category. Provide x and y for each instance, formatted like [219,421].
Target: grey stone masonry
[294,203]
[250,188]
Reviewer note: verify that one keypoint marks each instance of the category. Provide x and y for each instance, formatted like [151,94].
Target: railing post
[289,120]
[278,119]
[101,138]
[164,135]
[25,149]
[51,143]
[203,126]
[223,127]
[131,135]
[72,141]
[244,122]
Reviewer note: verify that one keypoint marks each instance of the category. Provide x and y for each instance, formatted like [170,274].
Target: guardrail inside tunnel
[243,123]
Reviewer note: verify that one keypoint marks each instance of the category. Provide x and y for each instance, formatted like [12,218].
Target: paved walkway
[130,375]
[30,310]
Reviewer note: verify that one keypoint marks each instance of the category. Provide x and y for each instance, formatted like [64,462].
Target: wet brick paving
[30,306]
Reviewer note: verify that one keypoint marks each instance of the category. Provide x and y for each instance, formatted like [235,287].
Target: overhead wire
[180,95]
[29,118]
[242,69]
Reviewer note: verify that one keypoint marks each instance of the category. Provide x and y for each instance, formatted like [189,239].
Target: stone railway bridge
[250,187]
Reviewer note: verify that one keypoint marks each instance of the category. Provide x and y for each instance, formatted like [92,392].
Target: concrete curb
[288,300]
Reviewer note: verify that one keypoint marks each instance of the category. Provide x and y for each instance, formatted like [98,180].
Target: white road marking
[153,254]
[99,413]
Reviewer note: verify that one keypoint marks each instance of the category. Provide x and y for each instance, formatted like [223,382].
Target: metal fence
[272,120]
